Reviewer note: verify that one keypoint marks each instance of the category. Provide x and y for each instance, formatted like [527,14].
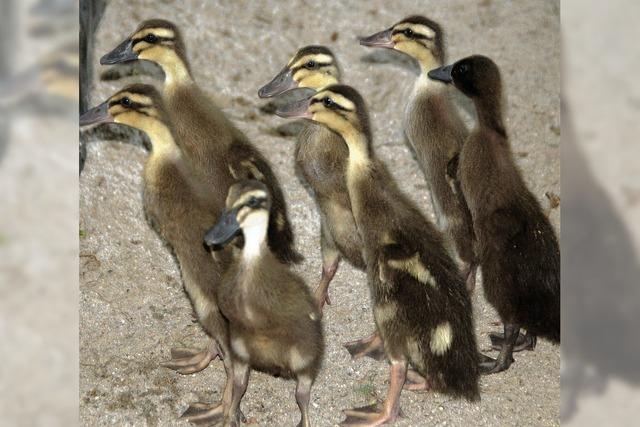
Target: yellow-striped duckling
[435,130]
[181,217]
[216,150]
[273,322]
[420,304]
[518,249]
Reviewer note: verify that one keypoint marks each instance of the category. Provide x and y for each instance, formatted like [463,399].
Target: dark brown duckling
[517,246]
[180,217]
[435,130]
[217,151]
[274,324]
[420,303]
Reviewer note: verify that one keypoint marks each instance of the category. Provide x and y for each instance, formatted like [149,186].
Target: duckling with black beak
[180,216]
[420,303]
[435,130]
[518,249]
[216,150]
[321,157]
[274,324]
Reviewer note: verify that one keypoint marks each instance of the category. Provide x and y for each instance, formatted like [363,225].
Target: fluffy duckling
[217,151]
[321,157]
[435,130]
[518,248]
[181,217]
[274,324]
[420,304]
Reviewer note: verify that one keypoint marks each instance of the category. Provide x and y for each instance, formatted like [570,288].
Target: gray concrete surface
[132,306]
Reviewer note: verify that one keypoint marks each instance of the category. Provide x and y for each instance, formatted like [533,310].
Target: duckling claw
[188,361]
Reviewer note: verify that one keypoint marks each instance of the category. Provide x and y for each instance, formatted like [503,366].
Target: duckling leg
[330,261]
[526,341]
[415,381]
[505,358]
[303,394]
[240,381]
[371,346]
[207,414]
[369,415]
[188,361]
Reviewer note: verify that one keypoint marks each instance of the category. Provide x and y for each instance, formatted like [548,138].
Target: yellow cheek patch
[415,268]
[315,80]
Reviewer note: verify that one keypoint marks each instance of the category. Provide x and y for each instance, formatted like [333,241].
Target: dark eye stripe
[318,65]
[134,106]
[337,106]
[414,36]
[160,40]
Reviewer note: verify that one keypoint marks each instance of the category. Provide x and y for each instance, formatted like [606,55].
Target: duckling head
[155,40]
[138,106]
[312,67]
[476,76]
[417,36]
[338,107]
[247,213]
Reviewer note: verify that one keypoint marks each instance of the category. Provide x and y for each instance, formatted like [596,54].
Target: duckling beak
[99,114]
[381,39]
[443,74]
[281,83]
[224,231]
[295,109]
[122,53]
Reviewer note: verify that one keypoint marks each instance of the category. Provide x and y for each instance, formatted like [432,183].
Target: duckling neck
[359,155]
[428,62]
[254,243]
[176,71]
[489,110]
[162,142]
[424,83]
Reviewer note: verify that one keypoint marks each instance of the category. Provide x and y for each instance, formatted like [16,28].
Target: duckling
[180,217]
[217,152]
[420,303]
[435,130]
[274,324]
[321,158]
[518,248]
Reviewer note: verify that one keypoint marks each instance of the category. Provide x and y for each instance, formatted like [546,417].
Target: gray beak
[295,109]
[280,84]
[99,114]
[381,39]
[224,231]
[122,53]
[443,74]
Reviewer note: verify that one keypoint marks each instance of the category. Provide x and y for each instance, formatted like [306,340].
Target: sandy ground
[132,306]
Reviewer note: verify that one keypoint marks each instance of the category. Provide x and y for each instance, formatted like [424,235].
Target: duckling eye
[408,32]
[253,202]
[311,64]
[328,102]
[151,38]
[463,68]
[126,102]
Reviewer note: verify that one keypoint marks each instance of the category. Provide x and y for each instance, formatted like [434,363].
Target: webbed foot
[188,361]
[371,347]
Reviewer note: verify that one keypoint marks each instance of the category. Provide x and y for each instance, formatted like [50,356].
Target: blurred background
[39,169]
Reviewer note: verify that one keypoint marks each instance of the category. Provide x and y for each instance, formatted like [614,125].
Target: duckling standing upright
[420,304]
[274,324]
[436,131]
[518,248]
[217,151]
[180,216]
[321,156]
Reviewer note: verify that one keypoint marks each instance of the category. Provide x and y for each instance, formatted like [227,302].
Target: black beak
[224,231]
[381,39]
[99,114]
[122,53]
[295,109]
[280,84]
[443,74]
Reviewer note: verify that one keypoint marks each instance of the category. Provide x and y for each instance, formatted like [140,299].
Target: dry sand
[132,306]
